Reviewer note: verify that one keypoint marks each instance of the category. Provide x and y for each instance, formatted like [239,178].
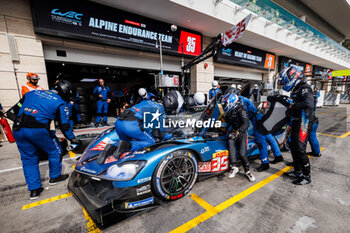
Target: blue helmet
[229,102]
[289,77]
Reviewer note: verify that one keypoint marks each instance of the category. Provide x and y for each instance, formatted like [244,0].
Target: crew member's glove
[232,135]
[75,144]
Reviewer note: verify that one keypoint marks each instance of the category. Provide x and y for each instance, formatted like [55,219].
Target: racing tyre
[175,175]
[83,108]
[82,91]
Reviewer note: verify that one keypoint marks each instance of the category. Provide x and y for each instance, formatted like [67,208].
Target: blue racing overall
[130,126]
[32,132]
[102,105]
[213,92]
[261,140]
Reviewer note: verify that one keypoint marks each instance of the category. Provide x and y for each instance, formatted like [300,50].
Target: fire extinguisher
[7,129]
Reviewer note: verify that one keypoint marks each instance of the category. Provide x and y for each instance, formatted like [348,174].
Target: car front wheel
[175,175]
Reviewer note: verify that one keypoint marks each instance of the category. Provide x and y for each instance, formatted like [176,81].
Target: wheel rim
[178,174]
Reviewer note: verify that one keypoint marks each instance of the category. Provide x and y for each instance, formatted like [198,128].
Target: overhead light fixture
[188,21]
[107,67]
[138,70]
[63,64]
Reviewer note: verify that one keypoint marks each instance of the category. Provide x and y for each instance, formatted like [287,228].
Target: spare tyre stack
[84,105]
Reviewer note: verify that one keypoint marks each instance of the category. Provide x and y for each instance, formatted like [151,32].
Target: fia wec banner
[89,21]
[235,32]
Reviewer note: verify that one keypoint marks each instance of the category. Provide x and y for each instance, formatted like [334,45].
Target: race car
[138,181]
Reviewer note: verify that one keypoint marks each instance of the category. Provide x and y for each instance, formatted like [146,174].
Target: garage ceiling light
[88,80]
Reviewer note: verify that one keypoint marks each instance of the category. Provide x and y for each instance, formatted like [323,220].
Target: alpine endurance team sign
[237,54]
[97,23]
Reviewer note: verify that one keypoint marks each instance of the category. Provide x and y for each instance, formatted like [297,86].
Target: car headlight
[125,171]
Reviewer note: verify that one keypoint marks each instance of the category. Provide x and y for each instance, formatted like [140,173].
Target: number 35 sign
[235,32]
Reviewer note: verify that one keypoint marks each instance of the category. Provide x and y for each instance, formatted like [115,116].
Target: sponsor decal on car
[141,152]
[102,144]
[220,153]
[87,170]
[176,196]
[133,205]
[110,159]
[205,149]
[204,167]
[143,190]
[143,180]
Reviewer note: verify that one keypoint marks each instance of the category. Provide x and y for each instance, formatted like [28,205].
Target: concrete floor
[279,206]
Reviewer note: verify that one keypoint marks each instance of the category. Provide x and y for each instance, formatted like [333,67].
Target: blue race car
[138,181]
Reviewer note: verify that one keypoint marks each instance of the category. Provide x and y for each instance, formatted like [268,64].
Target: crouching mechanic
[237,119]
[302,117]
[262,140]
[31,130]
[133,131]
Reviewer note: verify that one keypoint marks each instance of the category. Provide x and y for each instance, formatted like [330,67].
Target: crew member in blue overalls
[102,94]
[215,90]
[315,145]
[262,140]
[35,111]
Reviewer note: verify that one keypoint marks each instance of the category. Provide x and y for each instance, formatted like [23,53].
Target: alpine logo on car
[102,144]
[132,205]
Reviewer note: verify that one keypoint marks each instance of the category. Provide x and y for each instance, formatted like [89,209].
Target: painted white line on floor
[41,163]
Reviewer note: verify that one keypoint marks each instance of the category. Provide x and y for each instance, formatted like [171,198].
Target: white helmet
[255,86]
[143,93]
[234,86]
[239,87]
[214,84]
[199,98]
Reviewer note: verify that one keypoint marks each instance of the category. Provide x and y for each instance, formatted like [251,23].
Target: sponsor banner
[143,190]
[337,73]
[303,66]
[90,21]
[237,54]
[235,32]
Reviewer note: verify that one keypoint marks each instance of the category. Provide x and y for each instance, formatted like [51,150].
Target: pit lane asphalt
[278,206]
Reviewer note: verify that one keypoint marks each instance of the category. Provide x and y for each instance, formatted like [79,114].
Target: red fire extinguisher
[7,129]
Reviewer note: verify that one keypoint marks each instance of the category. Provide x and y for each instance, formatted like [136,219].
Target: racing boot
[277,159]
[233,172]
[250,176]
[107,151]
[54,181]
[313,154]
[123,146]
[34,194]
[293,174]
[263,167]
[302,180]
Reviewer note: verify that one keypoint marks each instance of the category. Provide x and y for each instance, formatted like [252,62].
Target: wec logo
[68,14]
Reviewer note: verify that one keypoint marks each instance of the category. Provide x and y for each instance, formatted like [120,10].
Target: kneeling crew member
[236,117]
[32,132]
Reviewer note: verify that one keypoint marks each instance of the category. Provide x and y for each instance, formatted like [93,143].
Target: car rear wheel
[175,175]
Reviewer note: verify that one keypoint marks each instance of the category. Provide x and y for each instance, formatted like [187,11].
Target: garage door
[132,59]
[236,74]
